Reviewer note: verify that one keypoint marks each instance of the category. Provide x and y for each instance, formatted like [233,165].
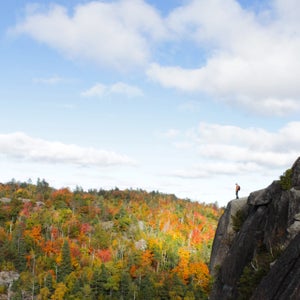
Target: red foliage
[75,251]
[85,228]
[54,233]
[27,207]
[104,254]
[197,236]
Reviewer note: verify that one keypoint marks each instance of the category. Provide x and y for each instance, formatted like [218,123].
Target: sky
[186,97]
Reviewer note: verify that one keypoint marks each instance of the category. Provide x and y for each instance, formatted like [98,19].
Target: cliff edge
[256,249]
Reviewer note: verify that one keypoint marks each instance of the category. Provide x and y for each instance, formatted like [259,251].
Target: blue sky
[183,97]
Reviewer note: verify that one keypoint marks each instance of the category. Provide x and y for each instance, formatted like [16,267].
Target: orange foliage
[201,274]
[35,233]
[62,195]
[3,234]
[132,271]
[182,269]
[147,258]
[48,247]
[197,236]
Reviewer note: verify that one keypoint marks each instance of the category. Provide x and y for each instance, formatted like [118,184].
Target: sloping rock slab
[283,280]
[225,233]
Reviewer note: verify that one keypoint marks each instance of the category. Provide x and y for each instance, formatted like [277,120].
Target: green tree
[147,290]
[49,282]
[286,179]
[19,245]
[125,286]
[65,267]
[97,284]
[178,287]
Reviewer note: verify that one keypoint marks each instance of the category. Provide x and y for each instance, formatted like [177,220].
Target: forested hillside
[101,244]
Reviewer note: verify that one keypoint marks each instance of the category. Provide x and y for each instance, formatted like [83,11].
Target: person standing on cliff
[237,189]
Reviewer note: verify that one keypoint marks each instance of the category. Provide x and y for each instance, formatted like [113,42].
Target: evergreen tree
[147,290]
[99,282]
[96,284]
[178,287]
[20,251]
[65,267]
[49,283]
[125,284]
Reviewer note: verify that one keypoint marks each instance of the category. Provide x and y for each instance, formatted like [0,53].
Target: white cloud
[98,90]
[125,89]
[21,146]
[187,80]
[234,150]
[250,62]
[120,88]
[115,34]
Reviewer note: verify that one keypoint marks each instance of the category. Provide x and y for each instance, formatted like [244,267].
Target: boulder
[264,196]
[8,277]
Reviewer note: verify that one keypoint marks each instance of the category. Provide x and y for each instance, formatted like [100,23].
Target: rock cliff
[256,250]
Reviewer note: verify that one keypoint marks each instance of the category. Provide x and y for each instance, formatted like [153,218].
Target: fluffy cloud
[120,88]
[252,61]
[114,34]
[235,150]
[23,147]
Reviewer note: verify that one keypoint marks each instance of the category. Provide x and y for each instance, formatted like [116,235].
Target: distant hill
[131,244]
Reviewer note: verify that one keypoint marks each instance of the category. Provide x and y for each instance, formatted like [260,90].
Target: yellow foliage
[58,259]
[59,292]
[44,294]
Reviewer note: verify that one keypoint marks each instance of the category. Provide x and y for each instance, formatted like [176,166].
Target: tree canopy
[100,244]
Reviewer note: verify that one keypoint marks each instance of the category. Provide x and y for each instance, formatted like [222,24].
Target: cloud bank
[232,150]
[25,148]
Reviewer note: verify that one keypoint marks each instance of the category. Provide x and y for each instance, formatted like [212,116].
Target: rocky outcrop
[225,233]
[256,250]
[8,277]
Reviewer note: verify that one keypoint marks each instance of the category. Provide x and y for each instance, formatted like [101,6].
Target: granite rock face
[225,233]
[256,250]
[282,282]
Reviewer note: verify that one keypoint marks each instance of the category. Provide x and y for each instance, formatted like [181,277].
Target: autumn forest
[99,244]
